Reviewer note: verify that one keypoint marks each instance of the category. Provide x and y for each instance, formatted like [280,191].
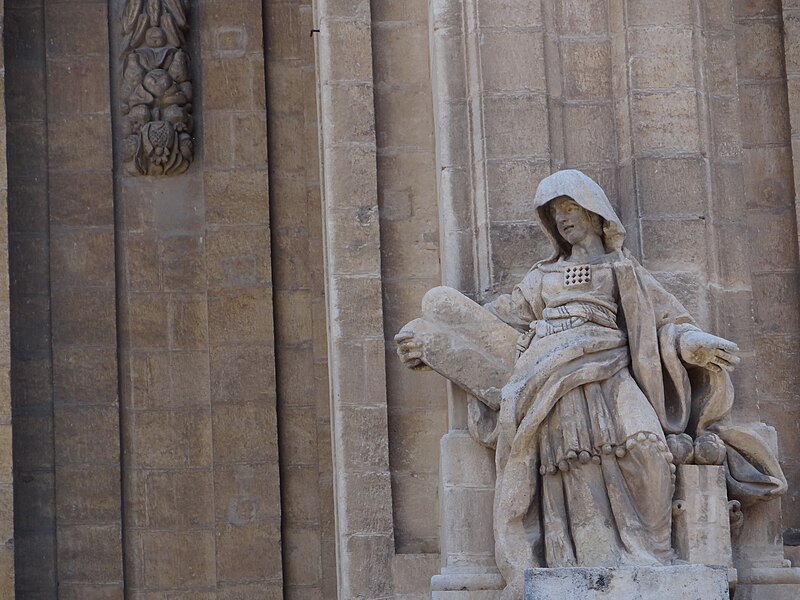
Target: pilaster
[359,427]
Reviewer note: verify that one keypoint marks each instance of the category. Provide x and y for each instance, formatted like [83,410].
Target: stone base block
[466,595]
[690,582]
[767,591]
[768,584]
[467,586]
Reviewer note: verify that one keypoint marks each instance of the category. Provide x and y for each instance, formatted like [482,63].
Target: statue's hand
[708,351]
[409,349]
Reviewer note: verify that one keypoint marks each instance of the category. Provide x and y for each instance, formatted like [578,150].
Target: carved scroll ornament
[156,89]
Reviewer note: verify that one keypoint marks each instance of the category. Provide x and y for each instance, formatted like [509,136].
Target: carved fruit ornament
[156,88]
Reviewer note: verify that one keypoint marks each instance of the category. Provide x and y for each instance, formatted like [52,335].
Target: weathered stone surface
[694,582]
[437,119]
[462,340]
[605,481]
[701,532]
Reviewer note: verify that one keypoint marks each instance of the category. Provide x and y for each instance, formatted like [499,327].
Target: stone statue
[592,382]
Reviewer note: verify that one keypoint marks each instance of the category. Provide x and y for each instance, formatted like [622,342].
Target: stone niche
[619,470]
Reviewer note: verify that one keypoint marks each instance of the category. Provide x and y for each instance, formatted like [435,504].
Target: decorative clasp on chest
[577,275]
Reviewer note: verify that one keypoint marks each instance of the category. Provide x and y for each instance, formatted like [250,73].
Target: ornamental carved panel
[156,88]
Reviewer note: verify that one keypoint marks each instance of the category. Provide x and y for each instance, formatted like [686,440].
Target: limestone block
[467,586]
[768,584]
[691,582]
[768,592]
[466,595]
[701,526]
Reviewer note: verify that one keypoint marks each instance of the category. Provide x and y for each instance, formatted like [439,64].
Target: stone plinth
[701,532]
[690,582]
[467,479]
[766,583]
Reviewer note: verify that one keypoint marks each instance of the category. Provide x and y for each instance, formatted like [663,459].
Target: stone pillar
[357,366]
[492,145]
[466,469]
[31,351]
[763,572]
[83,302]
[467,540]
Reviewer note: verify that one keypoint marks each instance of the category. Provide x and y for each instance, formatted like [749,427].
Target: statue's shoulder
[534,275]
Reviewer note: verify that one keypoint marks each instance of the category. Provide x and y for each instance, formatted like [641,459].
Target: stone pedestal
[467,539]
[690,582]
[763,571]
[701,532]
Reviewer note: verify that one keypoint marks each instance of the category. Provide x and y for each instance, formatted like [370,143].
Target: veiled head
[586,194]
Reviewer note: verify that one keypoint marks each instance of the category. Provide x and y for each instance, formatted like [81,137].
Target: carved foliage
[156,89]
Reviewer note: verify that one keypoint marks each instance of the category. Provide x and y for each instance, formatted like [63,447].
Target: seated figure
[591,381]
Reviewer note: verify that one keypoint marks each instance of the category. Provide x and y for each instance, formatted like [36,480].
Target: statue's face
[573,222]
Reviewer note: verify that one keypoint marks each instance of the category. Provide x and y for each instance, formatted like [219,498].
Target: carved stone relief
[156,88]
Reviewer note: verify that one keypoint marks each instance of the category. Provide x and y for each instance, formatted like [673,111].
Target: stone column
[492,144]
[83,302]
[466,470]
[31,351]
[763,571]
[357,366]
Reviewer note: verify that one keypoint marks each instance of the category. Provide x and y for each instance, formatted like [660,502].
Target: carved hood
[590,196]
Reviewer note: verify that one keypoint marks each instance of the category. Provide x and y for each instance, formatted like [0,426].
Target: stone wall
[205,397]
[300,323]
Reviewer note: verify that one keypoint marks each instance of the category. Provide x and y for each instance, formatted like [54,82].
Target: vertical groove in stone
[404,127]
[31,358]
[6,444]
[362,483]
[630,210]
[83,301]
[307,528]
[764,43]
